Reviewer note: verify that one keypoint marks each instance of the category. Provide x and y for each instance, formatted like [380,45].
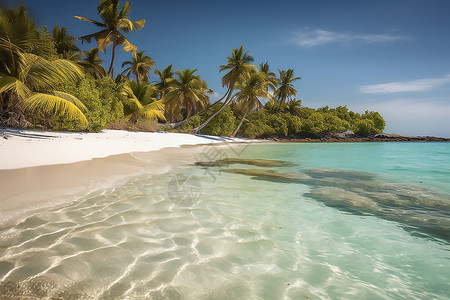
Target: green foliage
[377,119]
[288,119]
[101,97]
[222,125]
[364,127]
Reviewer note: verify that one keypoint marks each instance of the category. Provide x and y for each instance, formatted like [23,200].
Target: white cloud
[420,85]
[310,38]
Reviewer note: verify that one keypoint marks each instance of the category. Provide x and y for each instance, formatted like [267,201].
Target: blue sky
[392,56]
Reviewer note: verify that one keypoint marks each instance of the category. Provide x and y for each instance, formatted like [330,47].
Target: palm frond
[91,21]
[72,99]
[14,85]
[46,102]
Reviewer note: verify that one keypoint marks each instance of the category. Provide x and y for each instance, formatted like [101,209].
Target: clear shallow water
[245,237]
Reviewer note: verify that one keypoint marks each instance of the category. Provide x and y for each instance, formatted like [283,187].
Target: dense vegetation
[47,82]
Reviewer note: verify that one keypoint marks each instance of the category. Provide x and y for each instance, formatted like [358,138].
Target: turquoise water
[358,221]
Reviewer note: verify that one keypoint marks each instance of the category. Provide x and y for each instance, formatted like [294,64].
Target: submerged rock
[334,195]
[341,174]
[271,174]
[245,161]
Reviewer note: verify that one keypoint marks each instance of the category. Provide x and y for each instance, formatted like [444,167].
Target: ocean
[263,221]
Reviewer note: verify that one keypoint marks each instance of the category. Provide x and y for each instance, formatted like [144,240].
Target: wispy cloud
[420,85]
[316,37]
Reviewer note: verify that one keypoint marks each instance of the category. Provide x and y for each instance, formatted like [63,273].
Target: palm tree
[165,82]
[271,79]
[113,22]
[65,43]
[294,107]
[140,66]
[18,34]
[139,98]
[92,64]
[29,80]
[188,94]
[250,89]
[286,88]
[238,65]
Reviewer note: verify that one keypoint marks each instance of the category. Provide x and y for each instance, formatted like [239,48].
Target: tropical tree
[114,21]
[286,88]
[238,65]
[140,66]
[165,82]
[29,81]
[253,87]
[271,78]
[294,107]
[92,64]
[141,103]
[65,43]
[188,95]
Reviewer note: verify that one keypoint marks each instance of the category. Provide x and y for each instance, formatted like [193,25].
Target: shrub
[100,96]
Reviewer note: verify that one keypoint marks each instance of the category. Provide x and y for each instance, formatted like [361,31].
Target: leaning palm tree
[65,43]
[238,65]
[114,21]
[140,66]
[28,80]
[286,88]
[165,82]
[253,87]
[188,94]
[92,64]
[139,97]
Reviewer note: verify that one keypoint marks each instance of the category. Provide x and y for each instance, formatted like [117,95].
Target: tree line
[46,81]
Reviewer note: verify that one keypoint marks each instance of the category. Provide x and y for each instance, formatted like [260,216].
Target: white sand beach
[41,168]
[30,148]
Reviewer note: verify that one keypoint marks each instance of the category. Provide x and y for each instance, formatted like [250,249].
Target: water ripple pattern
[242,239]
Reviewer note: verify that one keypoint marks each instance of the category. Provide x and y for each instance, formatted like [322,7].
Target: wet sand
[25,190]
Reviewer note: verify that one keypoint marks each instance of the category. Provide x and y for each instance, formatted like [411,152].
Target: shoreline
[373,139]
[47,180]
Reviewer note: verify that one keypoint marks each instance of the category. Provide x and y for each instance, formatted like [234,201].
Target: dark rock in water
[245,161]
[271,174]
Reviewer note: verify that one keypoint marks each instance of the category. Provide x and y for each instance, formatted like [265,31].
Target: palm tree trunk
[185,120]
[196,130]
[230,91]
[239,126]
[112,60]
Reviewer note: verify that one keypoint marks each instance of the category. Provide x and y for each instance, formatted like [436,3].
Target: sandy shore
[29,148]
[40,169]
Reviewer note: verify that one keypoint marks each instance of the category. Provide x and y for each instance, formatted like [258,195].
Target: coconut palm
[18,34]
[114,21]
[188,95]
[65,43]
[29,80]
[165,82]
[253,87]
[294,107]
[92,64]
[140,66]
[139,97]
[271,79]
[286,88]
[238,65]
